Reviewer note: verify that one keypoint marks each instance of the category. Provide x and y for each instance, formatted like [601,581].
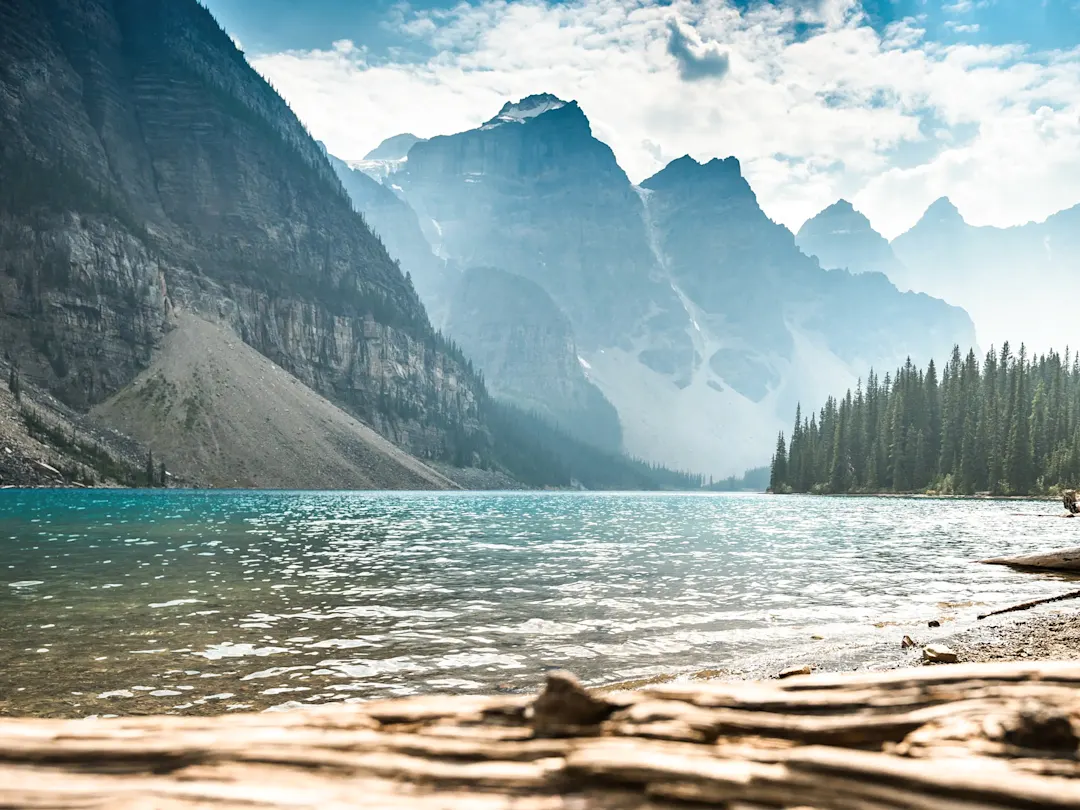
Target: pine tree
[150,468]
[1018,453]
[778,479]
[919,472]
[14,383]
[794,457]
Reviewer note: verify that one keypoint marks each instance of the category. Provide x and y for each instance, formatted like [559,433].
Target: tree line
[1009,425]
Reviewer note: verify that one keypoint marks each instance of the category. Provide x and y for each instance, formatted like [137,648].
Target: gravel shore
[1048,636]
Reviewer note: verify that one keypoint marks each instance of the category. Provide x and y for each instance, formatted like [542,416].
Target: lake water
[117,602]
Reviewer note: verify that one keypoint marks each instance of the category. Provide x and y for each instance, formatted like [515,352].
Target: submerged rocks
[907,642]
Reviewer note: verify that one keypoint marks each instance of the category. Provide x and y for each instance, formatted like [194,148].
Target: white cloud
[811,117]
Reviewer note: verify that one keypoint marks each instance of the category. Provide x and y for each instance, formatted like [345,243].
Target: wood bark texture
[933,738]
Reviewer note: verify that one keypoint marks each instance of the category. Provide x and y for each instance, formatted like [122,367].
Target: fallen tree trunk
[1031,604]
[1067,559]
[935,738]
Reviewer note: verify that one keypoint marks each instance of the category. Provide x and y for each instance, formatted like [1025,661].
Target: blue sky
[890,103]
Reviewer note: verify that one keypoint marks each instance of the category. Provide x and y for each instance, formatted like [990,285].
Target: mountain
[394,221]
[1009,279]
[769,325]
[697,317]
[534,193]
[148,171]
[393,148]
[525,347]
[842,237]
[387,157]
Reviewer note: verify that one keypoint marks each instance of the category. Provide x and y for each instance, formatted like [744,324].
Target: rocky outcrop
[1000,275]
[393,220]
[147,168]
[525,347]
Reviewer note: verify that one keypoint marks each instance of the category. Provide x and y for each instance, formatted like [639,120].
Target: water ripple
[417,592]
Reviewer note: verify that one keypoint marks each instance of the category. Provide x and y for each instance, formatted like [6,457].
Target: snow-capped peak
[528,107]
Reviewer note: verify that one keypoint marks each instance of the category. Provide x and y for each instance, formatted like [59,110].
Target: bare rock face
[525,347]
[393,220]
[145,167]
[533,192]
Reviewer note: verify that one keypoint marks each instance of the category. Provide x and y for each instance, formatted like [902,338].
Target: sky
[890,104]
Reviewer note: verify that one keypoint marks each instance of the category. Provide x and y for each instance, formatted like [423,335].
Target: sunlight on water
[140,601]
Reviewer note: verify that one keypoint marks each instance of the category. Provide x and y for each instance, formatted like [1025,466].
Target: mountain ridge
[698,380]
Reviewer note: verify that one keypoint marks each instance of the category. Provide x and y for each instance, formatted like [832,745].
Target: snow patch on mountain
[707,426]
[521,111]
[380,170]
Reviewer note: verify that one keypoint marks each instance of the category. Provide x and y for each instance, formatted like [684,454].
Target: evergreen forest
[1009,425]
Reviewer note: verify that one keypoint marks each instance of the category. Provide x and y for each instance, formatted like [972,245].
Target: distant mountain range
[1009,279]
[697,317]
[174,245]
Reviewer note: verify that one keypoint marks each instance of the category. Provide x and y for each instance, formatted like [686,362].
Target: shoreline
[922,495]
[1041,634]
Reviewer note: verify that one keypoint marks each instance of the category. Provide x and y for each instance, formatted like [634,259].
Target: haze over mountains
[1008,279]
[696,316]
[179,260]
[153,182]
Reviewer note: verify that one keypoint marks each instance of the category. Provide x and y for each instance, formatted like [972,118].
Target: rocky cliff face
[393,220]
[538,196]
[698,318]
[1007,278]
[842,237]
[146,167]
[525,346]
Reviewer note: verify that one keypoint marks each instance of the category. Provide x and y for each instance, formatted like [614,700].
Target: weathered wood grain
[953,737]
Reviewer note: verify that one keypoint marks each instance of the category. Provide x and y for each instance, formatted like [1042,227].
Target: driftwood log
[1066,559]
[934,738]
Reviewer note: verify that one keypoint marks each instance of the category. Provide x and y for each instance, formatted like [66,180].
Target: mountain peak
[395,147]
[517,112]
[943,210]
[840,217]
[841,236]
[687,171]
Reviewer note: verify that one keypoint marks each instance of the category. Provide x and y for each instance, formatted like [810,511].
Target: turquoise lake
[121,602]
